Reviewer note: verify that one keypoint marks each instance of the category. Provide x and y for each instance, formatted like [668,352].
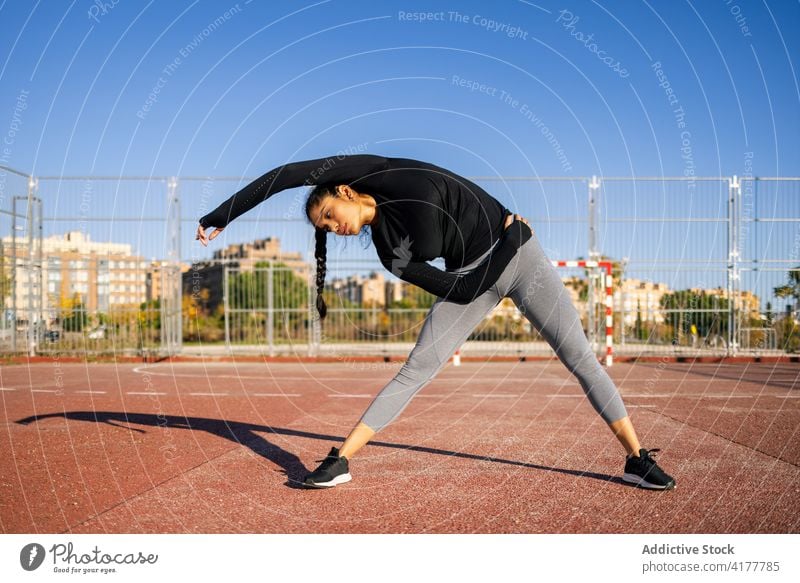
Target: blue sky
[511,88]
[277,81]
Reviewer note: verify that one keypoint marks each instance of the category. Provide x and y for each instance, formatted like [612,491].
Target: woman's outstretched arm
[333,169]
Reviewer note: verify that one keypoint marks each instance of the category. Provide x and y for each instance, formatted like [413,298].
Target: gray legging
[534,285]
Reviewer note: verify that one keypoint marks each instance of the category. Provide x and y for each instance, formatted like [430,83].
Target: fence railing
[705,265]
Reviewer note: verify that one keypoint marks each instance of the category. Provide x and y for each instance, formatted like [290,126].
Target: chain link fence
[707,266]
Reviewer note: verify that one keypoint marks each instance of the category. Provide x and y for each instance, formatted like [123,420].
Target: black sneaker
[332,471]
[644,472]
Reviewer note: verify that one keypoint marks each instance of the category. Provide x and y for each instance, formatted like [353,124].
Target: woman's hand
[511,218]
[203,238]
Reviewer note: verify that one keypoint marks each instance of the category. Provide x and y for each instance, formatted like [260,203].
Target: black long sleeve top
[423,212]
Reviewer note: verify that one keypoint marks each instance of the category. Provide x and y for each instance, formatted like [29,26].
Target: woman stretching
[417,212]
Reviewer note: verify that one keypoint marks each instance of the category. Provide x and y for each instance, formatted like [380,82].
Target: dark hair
[317,194]
[315,197]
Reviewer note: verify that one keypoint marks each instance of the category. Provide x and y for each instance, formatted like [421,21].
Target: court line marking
[428,396]
[692,395]
[351,396]
[276,395]
[678,396]
[500,395]
[316,378]
[370,396]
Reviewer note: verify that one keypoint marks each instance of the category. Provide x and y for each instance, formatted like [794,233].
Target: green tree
[580,285]
[791,289]
[6,281]
[248,290]
[638,328]
[150,315]
[786,325]
[416,297]
[709,312]
[73,314]
[248,302]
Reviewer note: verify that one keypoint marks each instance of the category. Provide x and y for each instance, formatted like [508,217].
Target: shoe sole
[335,482]
[642,483]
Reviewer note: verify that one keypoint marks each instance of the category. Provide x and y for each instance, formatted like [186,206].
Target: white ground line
[5,389]
[144,393]
[43,391]
[351,396]
[92,392]
[277,395]
[678,395]
[498,395]
[317,378]
[433,396]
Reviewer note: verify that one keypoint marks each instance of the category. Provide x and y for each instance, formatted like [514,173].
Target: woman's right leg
[447,326]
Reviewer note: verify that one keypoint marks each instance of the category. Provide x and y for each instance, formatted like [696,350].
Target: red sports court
[217,447]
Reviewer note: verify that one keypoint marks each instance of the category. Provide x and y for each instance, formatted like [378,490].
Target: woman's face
[338,214]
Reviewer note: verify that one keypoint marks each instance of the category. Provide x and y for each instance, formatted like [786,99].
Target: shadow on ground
[249,435]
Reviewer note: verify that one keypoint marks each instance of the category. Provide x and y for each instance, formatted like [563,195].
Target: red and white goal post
[609,284]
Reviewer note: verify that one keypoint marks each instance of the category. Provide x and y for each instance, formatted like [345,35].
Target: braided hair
[317,194]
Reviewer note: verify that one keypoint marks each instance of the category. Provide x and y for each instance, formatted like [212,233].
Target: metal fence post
[171,309]
[15,317]
[226,303]
[594,192]
[164,331]
[36,271]
[31,335]
[734,192]
[33,231]
[624,298]
[271,309]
